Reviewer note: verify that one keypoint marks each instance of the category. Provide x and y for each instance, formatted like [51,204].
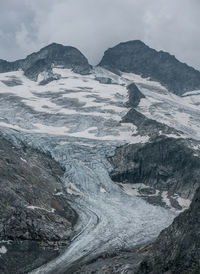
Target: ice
[172,110]
[52,210]
[73,190]
[102,190]
[108,218]
[185,203]
[23,160]
[78,121]
[3,249]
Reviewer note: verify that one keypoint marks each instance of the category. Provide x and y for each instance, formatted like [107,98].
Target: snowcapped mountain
[134,119]
[136,57]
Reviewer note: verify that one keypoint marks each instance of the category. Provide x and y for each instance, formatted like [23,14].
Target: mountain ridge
[136,57]
[131,56]
[48,56]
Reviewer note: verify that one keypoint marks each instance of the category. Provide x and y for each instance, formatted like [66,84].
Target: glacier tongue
[77,120]
[108,220]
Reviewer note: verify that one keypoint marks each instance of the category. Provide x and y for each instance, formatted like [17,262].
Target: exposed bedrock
[48,57]
[35,218]
[164,163]
[146,126]
[177,249]
[136,57]
[135,95]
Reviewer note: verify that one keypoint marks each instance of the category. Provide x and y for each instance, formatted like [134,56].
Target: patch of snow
[172,110]
[129,189]
[133,189]
[138,79]
[43,76]
[73,190]
[5,241]
[165,198]
[23,160]
[3,249]
[52,210]
[102,190]
[58,194]
[184,203]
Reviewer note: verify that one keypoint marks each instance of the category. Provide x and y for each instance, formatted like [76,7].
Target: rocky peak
[49,56]
[136,57]
[58,54]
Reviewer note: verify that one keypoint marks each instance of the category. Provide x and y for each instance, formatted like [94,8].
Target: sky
[95,25]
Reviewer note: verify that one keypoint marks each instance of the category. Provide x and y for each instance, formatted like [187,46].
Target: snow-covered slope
[75,105]
[77,119]
[179,112]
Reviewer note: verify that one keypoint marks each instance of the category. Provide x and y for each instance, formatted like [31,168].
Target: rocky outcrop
[146,126]
[135,95]
[177,249]
[138,58]
[112,263]
[48,57]
[35,216]
[165,164]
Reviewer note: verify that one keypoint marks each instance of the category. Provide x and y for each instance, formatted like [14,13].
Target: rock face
[138,58]
[35,218]
[147,126]
[49,56]
[165,163]
[135,95]
[177,249]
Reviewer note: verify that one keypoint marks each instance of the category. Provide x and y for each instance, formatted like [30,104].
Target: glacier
[77,119]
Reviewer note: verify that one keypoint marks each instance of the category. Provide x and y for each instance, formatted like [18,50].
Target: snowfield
[181,113]
[77,119]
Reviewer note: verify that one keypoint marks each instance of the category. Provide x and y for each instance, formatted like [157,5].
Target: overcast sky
[94,25]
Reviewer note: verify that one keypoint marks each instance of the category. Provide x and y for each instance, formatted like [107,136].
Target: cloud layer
[92,26]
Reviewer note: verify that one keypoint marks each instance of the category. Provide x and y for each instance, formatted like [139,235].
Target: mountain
[49,56]
[136,57]
[96,162]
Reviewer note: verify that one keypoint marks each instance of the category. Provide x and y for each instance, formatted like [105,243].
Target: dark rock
[138,58]
[12,81]
[39,66]
[23,256]
[135,95]
[30,209]
[177,249]
[6,66]
[48,57]
[111,263]
[104,80]
[165,164]
[146,126]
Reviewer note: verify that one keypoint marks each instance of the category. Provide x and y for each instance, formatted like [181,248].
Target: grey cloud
[93,26]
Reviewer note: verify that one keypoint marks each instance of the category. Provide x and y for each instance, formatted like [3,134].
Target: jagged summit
[136,57]
[131,57]
[43,60]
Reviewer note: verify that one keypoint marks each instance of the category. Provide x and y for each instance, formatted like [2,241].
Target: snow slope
[77,119]
[179,112]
